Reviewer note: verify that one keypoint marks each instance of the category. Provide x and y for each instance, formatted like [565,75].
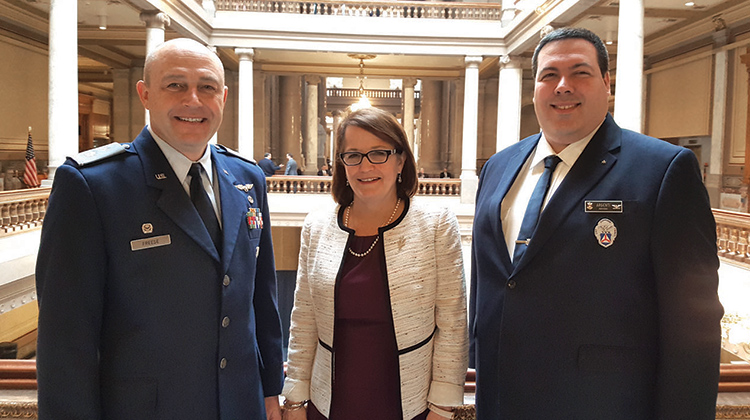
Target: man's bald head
[180,46]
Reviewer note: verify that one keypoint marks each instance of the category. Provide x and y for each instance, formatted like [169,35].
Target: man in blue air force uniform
[604,306]
[152,306]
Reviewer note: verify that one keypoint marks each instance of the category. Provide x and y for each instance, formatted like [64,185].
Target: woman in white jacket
[379,321]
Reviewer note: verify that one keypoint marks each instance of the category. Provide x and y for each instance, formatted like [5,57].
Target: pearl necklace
[377,238]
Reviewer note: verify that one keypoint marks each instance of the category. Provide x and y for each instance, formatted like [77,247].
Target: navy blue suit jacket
[578,330]
[269,168]
[137,310]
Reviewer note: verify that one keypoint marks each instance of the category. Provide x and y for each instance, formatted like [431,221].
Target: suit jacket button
[225,322]
[512,284]
[223,362]
[226,281]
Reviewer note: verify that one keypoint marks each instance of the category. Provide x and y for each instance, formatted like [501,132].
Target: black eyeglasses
[374,156]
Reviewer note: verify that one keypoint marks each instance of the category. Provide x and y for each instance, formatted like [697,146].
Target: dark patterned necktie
[534,208]
[203,205]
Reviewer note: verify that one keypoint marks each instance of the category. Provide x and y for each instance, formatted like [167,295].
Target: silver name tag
[139,244]
[603,206]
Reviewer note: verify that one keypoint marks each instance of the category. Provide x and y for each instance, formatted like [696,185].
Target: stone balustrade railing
[322,185]
[376,9]
[439,186]
[25,209]
[22,209]
[733,236]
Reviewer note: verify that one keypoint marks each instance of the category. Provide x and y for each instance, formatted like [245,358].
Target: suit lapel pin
[147,228]
[250,199]
[160,176]
[245,188]
[605,232]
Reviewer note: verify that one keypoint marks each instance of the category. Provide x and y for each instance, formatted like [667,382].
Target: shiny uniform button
[225,322]
[226,281]
[512,284]
[223,362]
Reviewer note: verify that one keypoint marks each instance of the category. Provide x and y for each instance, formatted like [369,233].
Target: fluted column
[629,92]
[246,115]
[310,143]
[510,85]
[63,83]
[408,119]
[469,179]
[156,24]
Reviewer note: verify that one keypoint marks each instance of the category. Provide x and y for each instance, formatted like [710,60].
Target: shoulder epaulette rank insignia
[94,155]
[224,149]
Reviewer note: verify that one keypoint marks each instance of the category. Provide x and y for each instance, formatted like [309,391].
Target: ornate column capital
[510,62]
[472,61]
[409,81]
[312,79]
[155,19]
[245,54]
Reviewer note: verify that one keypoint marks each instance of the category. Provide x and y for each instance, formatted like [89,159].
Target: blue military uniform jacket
[140,317]
[612,312]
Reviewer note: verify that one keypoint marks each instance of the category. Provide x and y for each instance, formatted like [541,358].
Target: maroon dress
[366,382]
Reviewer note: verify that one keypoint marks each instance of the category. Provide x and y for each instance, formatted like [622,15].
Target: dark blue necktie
[203,205]
[534,208]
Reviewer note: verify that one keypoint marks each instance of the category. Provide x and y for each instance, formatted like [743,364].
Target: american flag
[29,175]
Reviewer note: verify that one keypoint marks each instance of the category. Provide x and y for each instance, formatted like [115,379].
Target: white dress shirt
[514,204]
[181,166]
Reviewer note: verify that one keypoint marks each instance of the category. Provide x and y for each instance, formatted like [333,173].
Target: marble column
[156,24]
[469,178]
[408,115]
[290,114]
[121,88]
[629,94]
[510,85]
[310,143]
[719,115]
[338,117]
[746,176]
[63,84]
[245,113]
[431,115]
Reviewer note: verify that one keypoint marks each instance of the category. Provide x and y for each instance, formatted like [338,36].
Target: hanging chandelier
[363,102]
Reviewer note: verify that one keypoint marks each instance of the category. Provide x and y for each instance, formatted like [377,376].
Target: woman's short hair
[387,128]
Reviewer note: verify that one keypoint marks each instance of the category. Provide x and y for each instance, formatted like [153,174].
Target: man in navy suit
[143,314]
[610,309]
[269,168]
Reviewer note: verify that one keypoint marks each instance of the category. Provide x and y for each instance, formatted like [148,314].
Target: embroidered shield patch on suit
[605,232]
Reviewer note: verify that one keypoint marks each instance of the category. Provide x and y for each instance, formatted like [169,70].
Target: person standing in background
[269,168]
[291,165]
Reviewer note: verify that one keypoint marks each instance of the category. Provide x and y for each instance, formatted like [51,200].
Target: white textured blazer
[428,304]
